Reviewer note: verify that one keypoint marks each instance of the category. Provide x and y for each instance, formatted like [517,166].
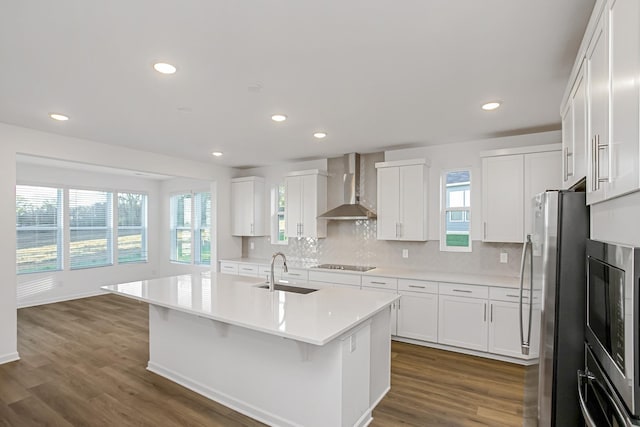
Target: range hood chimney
[351,209]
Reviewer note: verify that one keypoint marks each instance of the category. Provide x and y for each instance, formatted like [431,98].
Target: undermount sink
[285,288]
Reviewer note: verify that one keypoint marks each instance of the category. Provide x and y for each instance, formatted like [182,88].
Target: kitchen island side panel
[276,380]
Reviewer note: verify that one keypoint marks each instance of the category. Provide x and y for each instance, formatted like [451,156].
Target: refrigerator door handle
[525,344]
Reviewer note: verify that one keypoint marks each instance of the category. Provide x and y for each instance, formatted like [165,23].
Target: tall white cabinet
[247,206]
[402,200]
[510,178]
[306,198]
[574,132]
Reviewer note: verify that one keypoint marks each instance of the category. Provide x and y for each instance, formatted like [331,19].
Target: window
[91,230]
[455,229]
[132,228]
[278,231]
[38,229]
[191,215]
[203,228]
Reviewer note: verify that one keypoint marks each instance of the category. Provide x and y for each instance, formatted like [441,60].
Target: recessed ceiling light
[278,117]
[491,105]
[217,153]
[59,117]
[164,68]
[320,135]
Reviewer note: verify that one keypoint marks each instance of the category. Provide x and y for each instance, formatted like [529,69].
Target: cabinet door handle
[516,296]
[463,290]
[302,229]
[491,314]
[419,287]
[484,225]
[293,274]
[251,228]
[567,154]
[485,311]
[378,283]
[600,147]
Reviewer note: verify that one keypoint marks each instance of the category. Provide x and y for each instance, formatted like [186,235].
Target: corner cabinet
[510,178]
[247,206]
[305,199]
[402,200]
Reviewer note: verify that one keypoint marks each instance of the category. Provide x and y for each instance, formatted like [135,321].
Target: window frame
[193,228]
[445,211]
[111,221]
[276,212]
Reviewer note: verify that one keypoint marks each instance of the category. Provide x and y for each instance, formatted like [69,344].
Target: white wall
[15,139]
[8,325]
[464,155]
[42,288]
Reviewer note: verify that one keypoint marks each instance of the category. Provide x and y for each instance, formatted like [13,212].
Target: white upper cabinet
[624,126]
[608,64]
[502,198]
[402,200]
[247,206]
[598,112]
[574,133]
[509,181]
[305,199]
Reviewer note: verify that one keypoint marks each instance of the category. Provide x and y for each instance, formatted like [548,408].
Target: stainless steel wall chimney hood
[351,209]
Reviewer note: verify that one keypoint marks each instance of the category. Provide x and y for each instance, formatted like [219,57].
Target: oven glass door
[605,314]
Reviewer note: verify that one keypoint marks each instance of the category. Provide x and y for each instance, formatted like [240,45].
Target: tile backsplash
[355,243]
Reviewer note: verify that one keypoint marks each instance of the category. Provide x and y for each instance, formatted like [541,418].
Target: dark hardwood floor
[83,364]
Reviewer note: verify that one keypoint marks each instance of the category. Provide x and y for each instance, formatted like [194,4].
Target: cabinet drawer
[295,275]
[380,282]
[248,270]
[228,267]
[417,286]
[469,291]
[336,278]
[508,294]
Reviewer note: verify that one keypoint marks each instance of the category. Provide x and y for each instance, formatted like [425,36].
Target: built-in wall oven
[613,323]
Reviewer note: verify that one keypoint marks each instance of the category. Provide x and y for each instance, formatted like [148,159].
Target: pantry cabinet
[402,200]
[247,206]
[510,179]
[305,199]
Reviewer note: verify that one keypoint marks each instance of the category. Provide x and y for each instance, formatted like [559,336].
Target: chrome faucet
[271,276]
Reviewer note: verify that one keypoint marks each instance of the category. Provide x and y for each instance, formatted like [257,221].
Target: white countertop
[315,318]
[405,273]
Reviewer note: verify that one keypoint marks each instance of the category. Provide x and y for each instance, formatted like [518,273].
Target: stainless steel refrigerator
[553,267]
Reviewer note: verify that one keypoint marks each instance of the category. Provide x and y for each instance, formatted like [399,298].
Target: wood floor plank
[83,363]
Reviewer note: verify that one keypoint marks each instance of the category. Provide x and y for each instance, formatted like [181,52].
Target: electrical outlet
[252,245]
[504,257]
[405,253]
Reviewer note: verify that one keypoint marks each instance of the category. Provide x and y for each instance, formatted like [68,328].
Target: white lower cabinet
[418,316]
[462,322]
[504,328]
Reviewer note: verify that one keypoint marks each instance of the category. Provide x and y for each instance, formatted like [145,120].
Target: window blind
[180,224]
[132,228]
[38,229]
[91,230]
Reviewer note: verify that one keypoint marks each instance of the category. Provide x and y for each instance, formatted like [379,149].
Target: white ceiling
[374,74]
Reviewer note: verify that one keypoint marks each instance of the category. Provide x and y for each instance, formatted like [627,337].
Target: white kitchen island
[286,359]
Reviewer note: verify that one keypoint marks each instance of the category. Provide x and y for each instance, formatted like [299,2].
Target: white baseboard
[61,298]
[222,398]
[523,362]
[10,357]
